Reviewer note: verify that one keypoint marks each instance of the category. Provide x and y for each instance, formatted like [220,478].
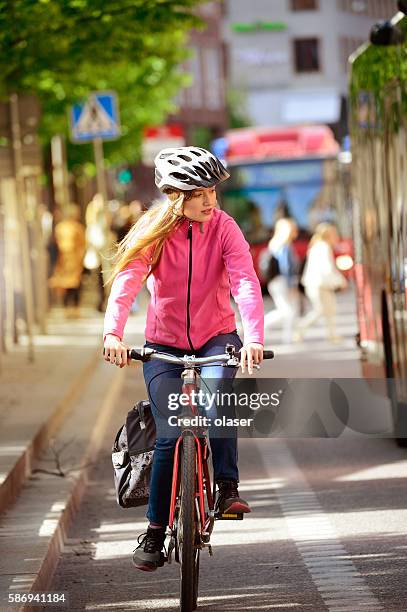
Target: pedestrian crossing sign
[97,117]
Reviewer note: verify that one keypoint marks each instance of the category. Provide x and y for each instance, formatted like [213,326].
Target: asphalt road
[327,529]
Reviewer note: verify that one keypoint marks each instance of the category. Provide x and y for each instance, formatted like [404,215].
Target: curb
[21,470]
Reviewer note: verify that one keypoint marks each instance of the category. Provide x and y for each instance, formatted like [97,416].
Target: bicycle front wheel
[187,531]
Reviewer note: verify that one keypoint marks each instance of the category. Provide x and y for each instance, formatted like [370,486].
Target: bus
[378,130]
[286,171]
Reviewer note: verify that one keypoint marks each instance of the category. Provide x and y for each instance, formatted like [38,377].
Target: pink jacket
[190,288]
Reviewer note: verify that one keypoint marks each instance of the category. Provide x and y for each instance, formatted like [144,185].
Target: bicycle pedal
[229,516]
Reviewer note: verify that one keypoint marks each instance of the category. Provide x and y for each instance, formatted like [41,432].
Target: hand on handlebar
[115,351]
[251,354]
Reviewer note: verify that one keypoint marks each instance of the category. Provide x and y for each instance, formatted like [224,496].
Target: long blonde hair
[285,231]
[322,232]
[152,228]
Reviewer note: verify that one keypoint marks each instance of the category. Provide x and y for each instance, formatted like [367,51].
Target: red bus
[378,94]
[286,170]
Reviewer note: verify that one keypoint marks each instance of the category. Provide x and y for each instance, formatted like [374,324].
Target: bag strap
[115,448]
[141,408]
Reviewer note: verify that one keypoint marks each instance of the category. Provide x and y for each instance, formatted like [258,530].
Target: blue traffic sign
[97,117]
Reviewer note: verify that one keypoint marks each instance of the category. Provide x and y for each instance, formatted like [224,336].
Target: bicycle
[191,521]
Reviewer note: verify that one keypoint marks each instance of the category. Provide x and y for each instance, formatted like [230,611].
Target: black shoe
[148,555]
[228,500]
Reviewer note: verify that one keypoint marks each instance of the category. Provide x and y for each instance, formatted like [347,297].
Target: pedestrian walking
[280,265]
[321,279]
[48,221]
[67,276]
[122,222]
[193,255]
[99,239]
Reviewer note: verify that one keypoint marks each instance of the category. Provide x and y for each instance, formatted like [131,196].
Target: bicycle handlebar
[146,354]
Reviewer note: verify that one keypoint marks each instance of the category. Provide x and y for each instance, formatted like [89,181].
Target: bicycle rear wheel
[187,531]
[196,580]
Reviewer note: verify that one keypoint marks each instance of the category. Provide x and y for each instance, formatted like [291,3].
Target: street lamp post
[22,219]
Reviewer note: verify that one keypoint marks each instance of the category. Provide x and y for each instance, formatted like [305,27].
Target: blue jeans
[223,449]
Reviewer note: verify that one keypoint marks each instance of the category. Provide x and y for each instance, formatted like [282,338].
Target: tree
[61,50]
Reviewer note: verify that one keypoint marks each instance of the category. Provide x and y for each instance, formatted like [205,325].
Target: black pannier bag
[269,266]
[132,456]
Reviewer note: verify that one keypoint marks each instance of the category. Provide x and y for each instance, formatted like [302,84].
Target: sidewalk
[37,397]
[53,415]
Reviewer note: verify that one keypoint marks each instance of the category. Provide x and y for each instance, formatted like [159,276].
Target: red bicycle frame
[202,454]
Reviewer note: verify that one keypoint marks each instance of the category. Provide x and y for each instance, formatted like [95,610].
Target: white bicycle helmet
[188,168]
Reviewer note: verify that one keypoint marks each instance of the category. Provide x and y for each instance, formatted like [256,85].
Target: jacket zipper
[189,237]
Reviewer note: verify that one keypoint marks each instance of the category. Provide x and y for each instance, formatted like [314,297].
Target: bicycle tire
[196,581]
[186,532]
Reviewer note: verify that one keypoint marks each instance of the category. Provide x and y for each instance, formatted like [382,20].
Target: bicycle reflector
[229,516]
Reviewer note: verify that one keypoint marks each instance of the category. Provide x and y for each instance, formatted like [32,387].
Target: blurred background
[90,93]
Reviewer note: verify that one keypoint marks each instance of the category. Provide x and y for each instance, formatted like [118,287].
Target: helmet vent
[179,176]
[189,170]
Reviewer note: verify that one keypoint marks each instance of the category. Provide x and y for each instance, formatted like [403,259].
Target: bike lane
[255,564]
[357,498]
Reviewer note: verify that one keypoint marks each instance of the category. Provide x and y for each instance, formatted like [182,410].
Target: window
[304,5]
[306,54]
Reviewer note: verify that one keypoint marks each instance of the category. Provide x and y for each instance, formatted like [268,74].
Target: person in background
[48,221]
[321,280]
[67,276]
[122,222]
[282,278]
[99,239]
[281,211]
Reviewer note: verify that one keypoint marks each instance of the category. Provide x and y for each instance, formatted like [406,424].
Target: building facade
[203,103]
[202,114]
[290,57]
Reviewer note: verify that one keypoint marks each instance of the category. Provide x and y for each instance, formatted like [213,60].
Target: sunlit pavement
[326,532]
[315,356]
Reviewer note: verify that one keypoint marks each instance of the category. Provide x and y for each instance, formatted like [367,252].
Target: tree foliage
[61,50]
[376,72]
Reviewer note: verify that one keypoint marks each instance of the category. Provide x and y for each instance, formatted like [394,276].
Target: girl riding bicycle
[192,255]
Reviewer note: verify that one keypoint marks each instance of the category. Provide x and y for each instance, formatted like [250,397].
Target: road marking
[338,581]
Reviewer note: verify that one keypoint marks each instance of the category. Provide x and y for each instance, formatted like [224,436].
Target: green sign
[268,26]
